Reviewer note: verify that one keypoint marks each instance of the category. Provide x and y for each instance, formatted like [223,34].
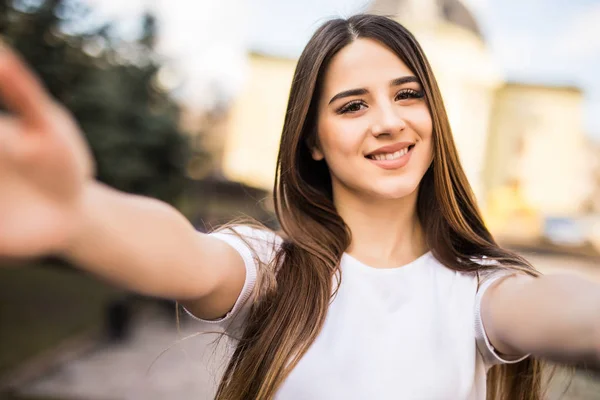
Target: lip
[393,164]
[392,148]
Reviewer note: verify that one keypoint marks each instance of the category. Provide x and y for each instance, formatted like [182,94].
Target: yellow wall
[522,147]
[490,121]
[467,77]
[256,120]
[537,139]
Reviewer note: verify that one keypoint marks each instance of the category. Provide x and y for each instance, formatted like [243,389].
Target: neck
[386,233]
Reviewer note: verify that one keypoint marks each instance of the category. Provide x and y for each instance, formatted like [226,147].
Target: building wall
[522,147]
[468,79]
[537,142]
[256,121]
[464,70]
[594,162]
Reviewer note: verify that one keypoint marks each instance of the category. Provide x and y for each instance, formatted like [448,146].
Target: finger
[20,89]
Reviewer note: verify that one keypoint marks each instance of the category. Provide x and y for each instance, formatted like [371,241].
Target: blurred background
[184,100]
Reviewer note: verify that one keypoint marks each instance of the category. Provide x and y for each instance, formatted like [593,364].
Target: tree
[110,86]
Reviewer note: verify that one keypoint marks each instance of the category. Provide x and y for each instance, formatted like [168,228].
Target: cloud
[581,38]
[516,51]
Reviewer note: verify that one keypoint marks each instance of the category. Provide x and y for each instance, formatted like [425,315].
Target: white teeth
[390,156]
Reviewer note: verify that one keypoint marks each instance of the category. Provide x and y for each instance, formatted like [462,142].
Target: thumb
[21,90]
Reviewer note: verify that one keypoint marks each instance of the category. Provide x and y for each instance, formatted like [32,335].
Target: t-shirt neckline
[399,269]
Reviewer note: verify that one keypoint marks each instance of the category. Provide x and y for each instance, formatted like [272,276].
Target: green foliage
[109,85]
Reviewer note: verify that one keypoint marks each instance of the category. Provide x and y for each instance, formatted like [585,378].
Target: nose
[387,121]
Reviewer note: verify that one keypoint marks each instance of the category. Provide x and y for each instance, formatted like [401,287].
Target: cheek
[423,124]
[341,139]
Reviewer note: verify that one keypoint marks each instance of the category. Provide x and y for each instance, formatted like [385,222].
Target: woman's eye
[406,94]
[351,107]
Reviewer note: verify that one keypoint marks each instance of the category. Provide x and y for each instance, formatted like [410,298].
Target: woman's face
[374,126]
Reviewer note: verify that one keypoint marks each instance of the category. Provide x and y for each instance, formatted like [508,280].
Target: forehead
[363,63]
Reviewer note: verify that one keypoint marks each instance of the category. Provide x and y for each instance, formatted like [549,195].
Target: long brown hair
[285,321]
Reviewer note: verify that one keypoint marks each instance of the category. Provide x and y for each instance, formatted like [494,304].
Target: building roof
[452,11]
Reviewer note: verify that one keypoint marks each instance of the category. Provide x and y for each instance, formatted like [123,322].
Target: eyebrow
[362,91]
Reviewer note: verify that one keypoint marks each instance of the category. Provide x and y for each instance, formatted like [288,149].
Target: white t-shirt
[412,332]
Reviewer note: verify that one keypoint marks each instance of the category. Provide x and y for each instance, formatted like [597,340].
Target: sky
[547,41]
[552,42]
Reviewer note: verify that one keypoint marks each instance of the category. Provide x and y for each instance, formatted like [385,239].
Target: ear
[316,153]
[315,148]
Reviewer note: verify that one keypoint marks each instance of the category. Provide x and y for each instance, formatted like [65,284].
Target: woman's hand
[44,165]
[50,204]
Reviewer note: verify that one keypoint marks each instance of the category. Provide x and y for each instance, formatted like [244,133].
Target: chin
[394,191]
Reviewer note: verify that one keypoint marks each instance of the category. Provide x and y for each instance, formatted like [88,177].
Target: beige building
[537,141]
[593,204]
[539,163]
[522,146]
[256,121]
[463,66]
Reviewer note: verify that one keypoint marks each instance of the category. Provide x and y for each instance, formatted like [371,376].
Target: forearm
[138,243]
[555,317]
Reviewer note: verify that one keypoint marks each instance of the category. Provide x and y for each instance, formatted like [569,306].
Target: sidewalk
[135,369]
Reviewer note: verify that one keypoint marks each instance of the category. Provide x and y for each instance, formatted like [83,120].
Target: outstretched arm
[50,204]
[147,246]
[556,317]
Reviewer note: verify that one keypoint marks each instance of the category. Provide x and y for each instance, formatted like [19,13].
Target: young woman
[384,282]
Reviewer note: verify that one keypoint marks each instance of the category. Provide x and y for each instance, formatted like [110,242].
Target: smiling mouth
[390,156]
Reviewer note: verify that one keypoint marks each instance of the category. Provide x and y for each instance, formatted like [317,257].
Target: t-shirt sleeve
[254,245]
[489,354]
